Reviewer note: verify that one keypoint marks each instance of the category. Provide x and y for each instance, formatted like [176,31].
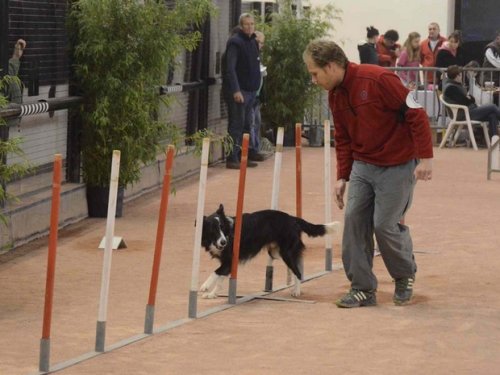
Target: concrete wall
[403,16]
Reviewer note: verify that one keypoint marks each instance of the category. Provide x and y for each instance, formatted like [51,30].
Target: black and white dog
[271,230]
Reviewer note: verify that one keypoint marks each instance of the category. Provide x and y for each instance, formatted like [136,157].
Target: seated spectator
[410,57]
[366,48]
[455,93]
[387,49]
[449,54]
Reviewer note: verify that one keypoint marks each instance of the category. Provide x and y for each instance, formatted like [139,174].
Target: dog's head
[217,232]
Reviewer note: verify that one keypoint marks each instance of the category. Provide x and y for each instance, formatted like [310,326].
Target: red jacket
[369,123]
[386,56]
[428,57]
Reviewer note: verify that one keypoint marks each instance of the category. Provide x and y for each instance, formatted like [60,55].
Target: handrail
[40,106]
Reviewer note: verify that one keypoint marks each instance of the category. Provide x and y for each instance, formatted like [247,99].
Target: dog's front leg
[296,287]
[209,283]
[218,286]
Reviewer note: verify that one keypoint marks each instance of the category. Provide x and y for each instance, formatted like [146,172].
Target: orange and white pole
[298,188]
[160,231]
[193,292]
[44,362]
[108,249]
[238,222]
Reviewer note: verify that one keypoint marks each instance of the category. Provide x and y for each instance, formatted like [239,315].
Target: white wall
[405,16]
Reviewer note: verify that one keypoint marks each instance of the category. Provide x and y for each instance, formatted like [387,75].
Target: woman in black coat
[449,54]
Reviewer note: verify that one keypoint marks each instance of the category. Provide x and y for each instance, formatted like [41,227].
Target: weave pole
[298,169]
[328,197]
[298,188]
[278,156]
[193,292]
[237,224]
[44,361]
[160,231]
[108,250]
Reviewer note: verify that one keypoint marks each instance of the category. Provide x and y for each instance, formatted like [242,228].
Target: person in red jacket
[388,50]
[383,145]
[429,49]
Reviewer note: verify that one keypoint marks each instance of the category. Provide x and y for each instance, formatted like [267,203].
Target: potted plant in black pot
[288,87]
[121,51]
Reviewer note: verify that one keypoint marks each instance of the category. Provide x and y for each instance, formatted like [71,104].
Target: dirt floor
[452,327]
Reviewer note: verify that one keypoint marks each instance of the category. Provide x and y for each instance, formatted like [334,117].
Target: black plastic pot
[97,201]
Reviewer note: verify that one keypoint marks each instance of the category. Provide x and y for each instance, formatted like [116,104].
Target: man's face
[389,43]
[248,25]
[327,77]
[433,31]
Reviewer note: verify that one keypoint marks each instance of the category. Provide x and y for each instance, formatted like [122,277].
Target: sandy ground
[452,327]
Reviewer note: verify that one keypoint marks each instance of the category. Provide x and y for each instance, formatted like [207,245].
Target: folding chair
[453,111]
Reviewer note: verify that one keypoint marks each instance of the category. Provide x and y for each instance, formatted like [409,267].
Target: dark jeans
[487,112]
[239,121]
[255,128]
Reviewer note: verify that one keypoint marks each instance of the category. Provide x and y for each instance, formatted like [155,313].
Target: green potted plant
[288,88]
[121,51]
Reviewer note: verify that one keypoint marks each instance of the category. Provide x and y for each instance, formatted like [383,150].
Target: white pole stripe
[108,243]
[199,214]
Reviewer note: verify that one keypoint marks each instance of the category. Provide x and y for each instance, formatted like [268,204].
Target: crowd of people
[434,51]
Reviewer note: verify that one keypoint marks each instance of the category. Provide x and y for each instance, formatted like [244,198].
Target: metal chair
[453,111]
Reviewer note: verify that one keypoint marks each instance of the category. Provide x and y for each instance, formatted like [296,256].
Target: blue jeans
[487,112]
[255,128]
[239,121]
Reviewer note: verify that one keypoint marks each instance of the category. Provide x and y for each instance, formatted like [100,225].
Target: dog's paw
[204,288]
[211,295]
[296,291]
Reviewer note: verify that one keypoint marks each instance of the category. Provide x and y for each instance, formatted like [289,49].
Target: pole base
[232,291]
[193,301]
[328,259]
[44,363]
[149,320]
[100,336]
[269,279]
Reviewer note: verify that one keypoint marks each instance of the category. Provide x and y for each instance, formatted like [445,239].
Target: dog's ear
[220,211]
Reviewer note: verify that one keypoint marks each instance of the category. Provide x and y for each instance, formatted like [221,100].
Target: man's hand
[339,193]
[238,97]
[423,171]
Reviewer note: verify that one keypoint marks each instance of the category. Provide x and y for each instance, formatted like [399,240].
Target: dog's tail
[316,230]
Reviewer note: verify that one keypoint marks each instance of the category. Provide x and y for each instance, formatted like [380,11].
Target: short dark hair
[457,35]
[453,71]
[391,35]
[371,32]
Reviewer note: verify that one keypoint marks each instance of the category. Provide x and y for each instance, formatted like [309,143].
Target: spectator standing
[410,58]
[241,81]
[366,47]
[492,59]
[429,49]
[14,90]
[383,145]
[388,50]
[450,53]
[256,116]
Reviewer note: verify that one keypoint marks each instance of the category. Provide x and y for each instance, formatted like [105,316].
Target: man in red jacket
[429,49]
[383,145]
